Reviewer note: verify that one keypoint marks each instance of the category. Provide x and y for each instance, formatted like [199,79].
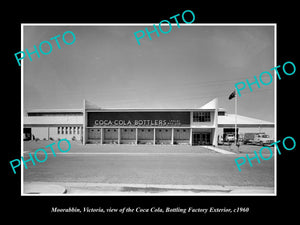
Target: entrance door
[201,139]
[26,134]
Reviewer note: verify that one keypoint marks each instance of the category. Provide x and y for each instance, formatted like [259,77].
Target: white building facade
[91,124]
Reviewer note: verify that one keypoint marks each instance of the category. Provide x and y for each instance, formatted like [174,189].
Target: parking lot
[167,165]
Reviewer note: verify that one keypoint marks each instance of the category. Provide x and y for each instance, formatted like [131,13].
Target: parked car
[230,138]
[249,138]
[262,139]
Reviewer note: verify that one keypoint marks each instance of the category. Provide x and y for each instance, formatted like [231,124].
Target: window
[149,130]
[201,116]
[78,130]
[62,130]
[221,113]
[70,130]
[58,130]
[67,130]
[125,130]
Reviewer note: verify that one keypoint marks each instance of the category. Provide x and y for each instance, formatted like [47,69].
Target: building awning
[43,120]
[228,120]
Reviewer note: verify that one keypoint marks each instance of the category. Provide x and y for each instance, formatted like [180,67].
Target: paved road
[150,168]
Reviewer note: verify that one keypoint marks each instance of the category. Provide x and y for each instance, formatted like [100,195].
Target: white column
[102,136]
[154,136]
[119,135]
[172,137]
[136,135]
[191,136]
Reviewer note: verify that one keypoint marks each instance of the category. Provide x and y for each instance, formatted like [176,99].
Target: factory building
[92,124]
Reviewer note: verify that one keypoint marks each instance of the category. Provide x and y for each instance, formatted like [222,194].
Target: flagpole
[235,125]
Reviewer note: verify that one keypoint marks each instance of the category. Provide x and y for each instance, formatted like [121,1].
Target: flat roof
[54,111]
[113,110]
[145,110]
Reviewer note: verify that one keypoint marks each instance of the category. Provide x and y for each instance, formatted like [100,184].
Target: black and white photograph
[115,117]
[150,112]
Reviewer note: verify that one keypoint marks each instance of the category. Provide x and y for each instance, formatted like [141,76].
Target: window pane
[201,116]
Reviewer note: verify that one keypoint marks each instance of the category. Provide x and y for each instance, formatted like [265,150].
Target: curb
[43,188]
[78,188]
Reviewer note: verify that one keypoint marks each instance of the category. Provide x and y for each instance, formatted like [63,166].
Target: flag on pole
[232,95]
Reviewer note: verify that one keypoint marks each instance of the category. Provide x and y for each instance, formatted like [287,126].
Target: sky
[185,68]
